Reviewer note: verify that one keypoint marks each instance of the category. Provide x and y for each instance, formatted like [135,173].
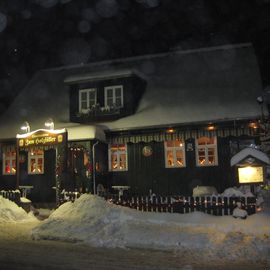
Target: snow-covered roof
[249,152]
[107,74]
[209,84]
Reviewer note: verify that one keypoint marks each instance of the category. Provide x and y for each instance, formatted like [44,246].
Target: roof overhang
[249,152]
[54,131]
[86,132]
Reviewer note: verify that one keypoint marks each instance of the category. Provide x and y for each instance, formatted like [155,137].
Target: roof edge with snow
[247,152]
[150,56]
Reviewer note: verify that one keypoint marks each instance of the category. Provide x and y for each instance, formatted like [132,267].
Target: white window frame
[9,159]
[118,159]
[206,147]
[174,149]
[113,87]
[87,91]
[36,157]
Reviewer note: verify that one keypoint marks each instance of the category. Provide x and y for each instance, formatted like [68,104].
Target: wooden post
[203,204]
[181,205]
[159,203]
[60,167]
[17,164]
[140,203]
[219,206]
[192,204]
[169,203]
[148,204]
[225,206]
[208,205]
[186,204]
[154,204]
[214,205]
[251,205]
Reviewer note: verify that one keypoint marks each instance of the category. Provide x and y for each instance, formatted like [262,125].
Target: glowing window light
[174,153]
[253,125]
[170,130]
[211,127]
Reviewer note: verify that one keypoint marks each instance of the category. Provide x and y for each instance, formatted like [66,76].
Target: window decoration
[114,96]
[118,157]
[147,151]
[9,161]
[206,151]
[175,154]
[87,99]
[36,161]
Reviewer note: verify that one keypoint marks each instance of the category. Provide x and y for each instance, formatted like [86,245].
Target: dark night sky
[36,34]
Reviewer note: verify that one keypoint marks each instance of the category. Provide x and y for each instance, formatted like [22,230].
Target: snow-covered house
[163,122]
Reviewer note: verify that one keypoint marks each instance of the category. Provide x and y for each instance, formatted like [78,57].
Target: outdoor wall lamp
[25,127]
[49,124]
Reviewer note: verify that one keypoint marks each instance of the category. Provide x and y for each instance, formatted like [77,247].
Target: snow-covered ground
[95,222]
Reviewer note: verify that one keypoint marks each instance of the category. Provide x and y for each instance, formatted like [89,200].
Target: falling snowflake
[26,14]
[75,51]
[3,21]
[107,8]
[65,1]
[47,3]
[90,15]
[84,26]
[149,3]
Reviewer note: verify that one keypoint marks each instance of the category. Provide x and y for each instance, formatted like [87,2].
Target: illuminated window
[118,157]
[206,151]
[114,96]
[9,160]
[36,161]
[87,99]
[174,154]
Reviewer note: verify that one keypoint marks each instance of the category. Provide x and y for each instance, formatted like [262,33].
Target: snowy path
[18,251]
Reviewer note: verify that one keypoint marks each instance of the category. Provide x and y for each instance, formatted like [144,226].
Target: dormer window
[114,96]
[87,99]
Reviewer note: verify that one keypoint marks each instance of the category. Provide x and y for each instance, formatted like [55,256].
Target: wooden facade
[147,173]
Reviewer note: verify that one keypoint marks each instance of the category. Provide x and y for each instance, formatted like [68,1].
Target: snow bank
[242,191]
[204,191]
[11,212]
[94,221]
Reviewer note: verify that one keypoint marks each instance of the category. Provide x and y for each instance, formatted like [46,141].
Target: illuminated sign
[41,138]
[250,174]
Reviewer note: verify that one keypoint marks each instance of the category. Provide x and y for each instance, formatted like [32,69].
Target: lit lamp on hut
[25,127]
[49,124]
[250,164]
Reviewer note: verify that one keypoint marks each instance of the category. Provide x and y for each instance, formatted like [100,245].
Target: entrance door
[78,159]
[49,176]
